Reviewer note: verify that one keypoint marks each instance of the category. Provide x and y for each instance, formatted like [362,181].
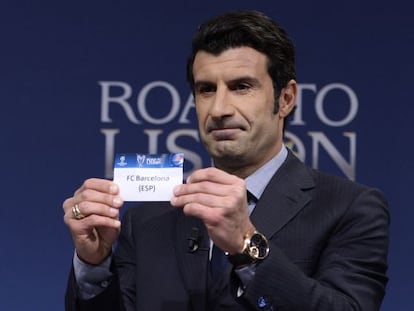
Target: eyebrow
[202,82]
[244,79]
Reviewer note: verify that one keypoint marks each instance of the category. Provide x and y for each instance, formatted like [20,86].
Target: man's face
[234,99]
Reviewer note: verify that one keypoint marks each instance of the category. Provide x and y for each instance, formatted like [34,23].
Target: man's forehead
[235,61]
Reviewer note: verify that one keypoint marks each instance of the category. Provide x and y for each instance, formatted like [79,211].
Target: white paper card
[148,177]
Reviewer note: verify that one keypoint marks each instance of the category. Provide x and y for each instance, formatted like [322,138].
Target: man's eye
[241,87]
[205,89]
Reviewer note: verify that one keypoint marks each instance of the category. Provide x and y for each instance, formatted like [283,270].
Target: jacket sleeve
[120,294]
[109,300]
[350,273]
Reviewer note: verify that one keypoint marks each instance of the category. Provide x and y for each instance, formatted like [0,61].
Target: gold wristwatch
[256,248]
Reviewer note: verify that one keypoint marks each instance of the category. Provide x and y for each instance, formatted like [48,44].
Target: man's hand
[98,201]
[219,200]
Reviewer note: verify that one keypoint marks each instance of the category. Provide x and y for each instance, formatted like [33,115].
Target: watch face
[259,247]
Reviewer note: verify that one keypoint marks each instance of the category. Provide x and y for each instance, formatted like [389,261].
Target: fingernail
[176,189]
[117,201]
[113,211]
[113,189]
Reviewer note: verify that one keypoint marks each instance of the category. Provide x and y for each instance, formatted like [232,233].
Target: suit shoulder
[341,187]
[327,179]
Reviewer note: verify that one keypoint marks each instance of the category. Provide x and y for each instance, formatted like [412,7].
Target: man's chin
[228,154]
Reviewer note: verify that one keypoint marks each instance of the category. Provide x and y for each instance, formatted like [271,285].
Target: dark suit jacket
[328,251]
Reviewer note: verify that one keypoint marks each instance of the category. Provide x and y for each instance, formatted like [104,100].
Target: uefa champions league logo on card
[140,159]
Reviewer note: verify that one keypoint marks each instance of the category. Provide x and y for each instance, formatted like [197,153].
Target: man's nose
[222,104]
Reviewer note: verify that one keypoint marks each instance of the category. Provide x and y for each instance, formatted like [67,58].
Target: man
[295,239]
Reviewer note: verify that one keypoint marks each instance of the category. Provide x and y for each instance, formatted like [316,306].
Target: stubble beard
[228,155]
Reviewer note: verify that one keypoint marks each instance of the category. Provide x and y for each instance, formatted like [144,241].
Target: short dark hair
[252,29]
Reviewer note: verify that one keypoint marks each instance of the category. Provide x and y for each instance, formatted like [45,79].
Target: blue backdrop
[81,81]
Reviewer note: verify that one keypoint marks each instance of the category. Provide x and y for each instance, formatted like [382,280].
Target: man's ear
[287,98]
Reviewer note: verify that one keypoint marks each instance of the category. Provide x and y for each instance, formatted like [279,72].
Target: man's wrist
[96,262]
[256,248]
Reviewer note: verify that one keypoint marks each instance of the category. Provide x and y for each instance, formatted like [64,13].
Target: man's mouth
[225,133]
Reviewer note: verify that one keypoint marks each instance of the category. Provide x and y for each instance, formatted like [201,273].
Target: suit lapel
[286,194]
[193,265]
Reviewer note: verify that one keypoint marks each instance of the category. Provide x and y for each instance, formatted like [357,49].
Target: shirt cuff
[91,279]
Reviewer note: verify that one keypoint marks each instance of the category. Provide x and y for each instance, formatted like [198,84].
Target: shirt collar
[257,182]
